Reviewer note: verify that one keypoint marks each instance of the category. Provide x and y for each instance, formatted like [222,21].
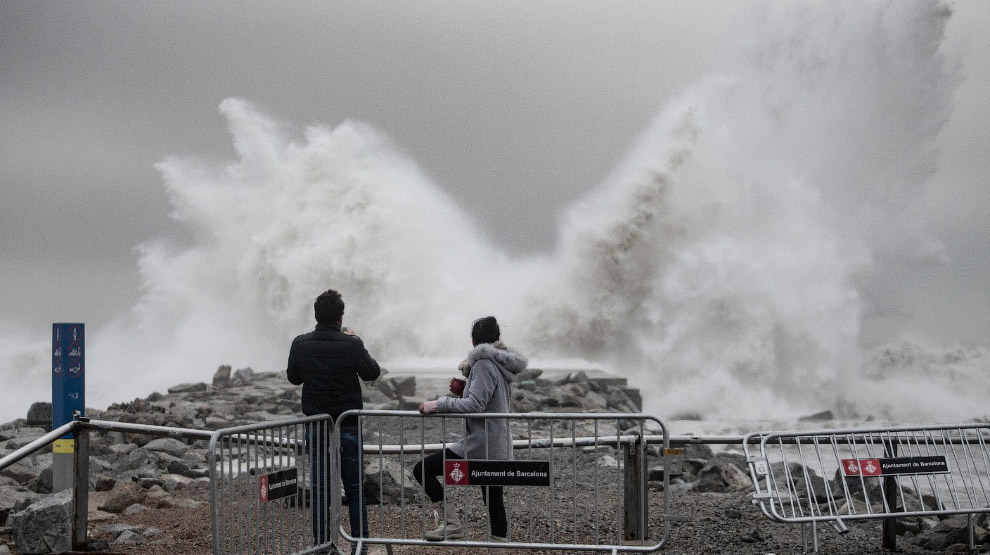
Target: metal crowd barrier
[274,487]
[262,498]
[833,476]
[594,498]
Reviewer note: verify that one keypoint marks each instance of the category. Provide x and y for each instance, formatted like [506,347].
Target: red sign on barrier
[277,485]
[263,488]
[456,473]
[861,467]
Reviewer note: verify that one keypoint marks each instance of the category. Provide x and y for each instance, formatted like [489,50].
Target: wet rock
[720,477]
[221,378]
[948,532]
[529,374]
[13,498]
[382,483]
[243,376]
[134,509]
[46,480]
[375,397]
[45,526]
[123,497]
[823,416]
[20,473]
[169,445]
[128,537]
[404,386]
[104,483]
[40,414]
[188,388]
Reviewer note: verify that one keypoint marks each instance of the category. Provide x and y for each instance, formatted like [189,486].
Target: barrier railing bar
[553,489]
[299,502]
[618,494]
[422,455]
[443,462]
[971,489]
[165,431]
[529,493]
[381,477]
[829,497]
[282,519]
[42,441]
[262,516]
[574,482]
[402,479]
[239,489]
[986,468]
[597,474]
[945,478]
[952,491]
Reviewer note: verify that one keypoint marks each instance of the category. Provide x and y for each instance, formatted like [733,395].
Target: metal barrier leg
[889,541]
[804,536]
[972,532]
[80,491]
[635,507]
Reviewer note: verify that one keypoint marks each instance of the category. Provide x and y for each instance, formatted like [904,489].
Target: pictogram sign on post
[68,395]
[68,372]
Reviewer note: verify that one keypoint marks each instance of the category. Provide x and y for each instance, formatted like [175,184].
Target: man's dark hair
[485,330]
[329,307]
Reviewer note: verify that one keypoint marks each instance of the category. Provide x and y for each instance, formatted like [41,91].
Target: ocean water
[724,267]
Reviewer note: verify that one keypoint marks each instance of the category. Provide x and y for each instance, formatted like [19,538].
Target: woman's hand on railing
[427,407]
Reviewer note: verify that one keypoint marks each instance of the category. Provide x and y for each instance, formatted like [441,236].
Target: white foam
[724,266]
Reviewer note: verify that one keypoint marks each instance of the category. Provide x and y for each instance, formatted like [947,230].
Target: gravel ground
[715,523]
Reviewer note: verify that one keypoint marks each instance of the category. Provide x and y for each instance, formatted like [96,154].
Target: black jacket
[329,364]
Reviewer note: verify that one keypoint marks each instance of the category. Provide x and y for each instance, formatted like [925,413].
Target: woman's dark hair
[485,330]
[329,307]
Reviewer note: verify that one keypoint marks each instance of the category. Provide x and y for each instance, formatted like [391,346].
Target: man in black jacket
[329,363]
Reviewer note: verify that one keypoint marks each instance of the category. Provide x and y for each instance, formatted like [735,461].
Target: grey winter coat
[488,389]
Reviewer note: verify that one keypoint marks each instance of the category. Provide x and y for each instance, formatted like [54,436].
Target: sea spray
[786,178]
[725,266]
[287,220]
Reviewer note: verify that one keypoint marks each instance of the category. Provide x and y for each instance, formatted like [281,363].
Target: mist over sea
[725,267]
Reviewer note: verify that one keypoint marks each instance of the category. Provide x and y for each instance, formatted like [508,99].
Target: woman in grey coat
[490,368]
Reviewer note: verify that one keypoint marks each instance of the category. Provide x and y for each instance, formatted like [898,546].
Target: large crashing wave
[725,265]
[728,263]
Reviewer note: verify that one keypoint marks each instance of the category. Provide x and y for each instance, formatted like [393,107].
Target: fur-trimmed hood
[510,361]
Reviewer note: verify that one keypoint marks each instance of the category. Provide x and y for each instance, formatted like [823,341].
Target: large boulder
[13,498]
[404,386]
[243,376]
[169,445]
[122,497]
[389,482]
[721,477]
[948,532]
[188,387]
[40,414]
[45,526]
[20,473]
[221,378]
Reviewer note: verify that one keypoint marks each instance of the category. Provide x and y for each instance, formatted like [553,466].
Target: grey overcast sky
[525,105]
